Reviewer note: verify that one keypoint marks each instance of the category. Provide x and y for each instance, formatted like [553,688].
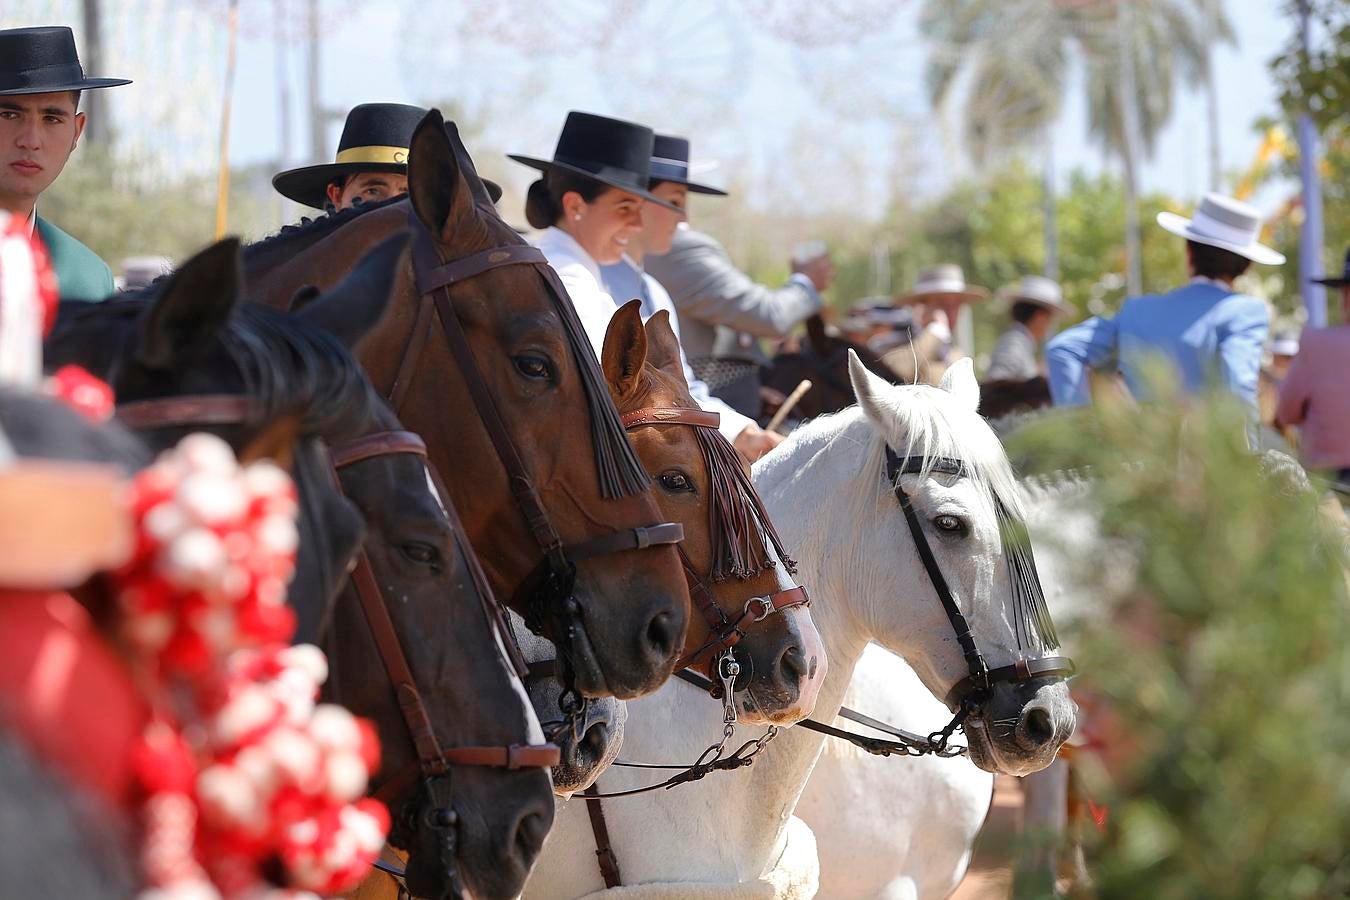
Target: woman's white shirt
[580,274]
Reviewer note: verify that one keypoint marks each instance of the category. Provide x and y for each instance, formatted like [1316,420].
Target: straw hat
[946,280]
[1039,290]
[1225,223]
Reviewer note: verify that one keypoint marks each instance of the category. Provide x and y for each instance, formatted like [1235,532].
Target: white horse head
[869,561]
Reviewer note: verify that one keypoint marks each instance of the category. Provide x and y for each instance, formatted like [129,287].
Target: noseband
[554,603]
[970,692]
[726,632]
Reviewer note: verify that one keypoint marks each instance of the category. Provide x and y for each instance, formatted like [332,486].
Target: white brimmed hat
[1225,223]
[946,280]
[1039,290]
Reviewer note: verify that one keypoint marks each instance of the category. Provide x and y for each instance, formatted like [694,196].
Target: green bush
[1224,664]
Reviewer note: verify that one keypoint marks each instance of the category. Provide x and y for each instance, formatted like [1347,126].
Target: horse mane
[285,365]
[308,231]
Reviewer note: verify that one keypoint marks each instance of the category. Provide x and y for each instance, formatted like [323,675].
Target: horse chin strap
[970,693]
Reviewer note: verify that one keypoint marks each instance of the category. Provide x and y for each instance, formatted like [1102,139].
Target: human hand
[753,442]
[820,270]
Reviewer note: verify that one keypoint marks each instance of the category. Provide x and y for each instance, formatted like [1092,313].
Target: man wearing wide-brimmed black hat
[40,124]
[371,163]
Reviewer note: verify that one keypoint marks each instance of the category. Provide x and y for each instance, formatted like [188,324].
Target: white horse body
[825,490]
[892,828]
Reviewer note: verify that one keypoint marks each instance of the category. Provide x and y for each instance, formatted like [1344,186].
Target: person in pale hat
[1037,302]
[1205,328]
[936,299]
[1314,395]
[41,80]
[371,163]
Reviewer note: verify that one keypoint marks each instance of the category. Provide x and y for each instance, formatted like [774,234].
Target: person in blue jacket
[1206,329]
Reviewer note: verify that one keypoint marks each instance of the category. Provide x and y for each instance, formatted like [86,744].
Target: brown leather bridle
[433,760]
[435,278]
[726,632]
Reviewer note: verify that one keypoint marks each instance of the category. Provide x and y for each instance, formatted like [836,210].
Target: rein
[553,610]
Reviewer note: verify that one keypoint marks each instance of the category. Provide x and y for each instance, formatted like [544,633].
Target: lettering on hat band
[397,156]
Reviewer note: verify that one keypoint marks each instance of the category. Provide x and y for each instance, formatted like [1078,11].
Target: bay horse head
[483,357]
[738,571]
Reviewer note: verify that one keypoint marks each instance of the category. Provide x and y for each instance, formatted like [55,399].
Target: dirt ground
[990,875]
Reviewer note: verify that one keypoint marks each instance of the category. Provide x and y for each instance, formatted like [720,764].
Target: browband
[379,444]
[671,415]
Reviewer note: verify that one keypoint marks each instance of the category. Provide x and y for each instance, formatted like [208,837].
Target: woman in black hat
[40,124]
[589,203]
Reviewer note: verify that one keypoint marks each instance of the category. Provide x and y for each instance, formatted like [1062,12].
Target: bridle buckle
[759,608]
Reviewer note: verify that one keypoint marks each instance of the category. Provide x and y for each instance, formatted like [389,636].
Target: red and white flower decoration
[260,776]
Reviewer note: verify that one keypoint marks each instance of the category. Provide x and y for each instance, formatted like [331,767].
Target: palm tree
[1008,63]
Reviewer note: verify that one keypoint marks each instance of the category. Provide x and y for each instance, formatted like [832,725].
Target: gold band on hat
[397,156]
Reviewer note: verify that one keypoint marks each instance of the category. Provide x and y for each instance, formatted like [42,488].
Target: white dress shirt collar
[561,249]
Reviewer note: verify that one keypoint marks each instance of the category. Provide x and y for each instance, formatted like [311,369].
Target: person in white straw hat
[1205,328]
[1036,303]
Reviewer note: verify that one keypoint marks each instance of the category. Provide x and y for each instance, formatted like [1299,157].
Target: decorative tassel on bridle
[737,516]
[1034,627]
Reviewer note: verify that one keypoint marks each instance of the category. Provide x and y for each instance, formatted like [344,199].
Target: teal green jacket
[80,273]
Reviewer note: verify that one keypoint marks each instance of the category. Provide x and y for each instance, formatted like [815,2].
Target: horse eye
[536,367]
[676,482]
[420,553]
[949,523]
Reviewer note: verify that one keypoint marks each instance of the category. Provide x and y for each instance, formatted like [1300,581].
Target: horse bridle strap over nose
[432,760]
[966,692]
[726,633]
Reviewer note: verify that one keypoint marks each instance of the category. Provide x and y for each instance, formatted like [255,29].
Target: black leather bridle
[970,693]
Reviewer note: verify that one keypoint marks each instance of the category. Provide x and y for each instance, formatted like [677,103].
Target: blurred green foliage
[1224,663]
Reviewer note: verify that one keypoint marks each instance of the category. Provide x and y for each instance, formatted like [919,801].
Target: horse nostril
[1038,726]
[794,665]
[529,838]
[594,740]
[661,637]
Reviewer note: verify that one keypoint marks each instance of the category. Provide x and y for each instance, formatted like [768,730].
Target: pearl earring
[576,218]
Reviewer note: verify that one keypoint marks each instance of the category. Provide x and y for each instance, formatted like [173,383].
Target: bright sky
[831,120]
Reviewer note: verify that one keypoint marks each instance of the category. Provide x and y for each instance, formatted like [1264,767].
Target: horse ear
[193,306]
[355,305]
[959,381]
[275,443]
[625,351]
[871,391]
[436,184]
[663,347]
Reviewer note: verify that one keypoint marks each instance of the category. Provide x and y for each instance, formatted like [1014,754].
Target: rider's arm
[1073,353]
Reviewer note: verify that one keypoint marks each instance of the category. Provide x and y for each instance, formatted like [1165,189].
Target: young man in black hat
[40,125]
[371,163]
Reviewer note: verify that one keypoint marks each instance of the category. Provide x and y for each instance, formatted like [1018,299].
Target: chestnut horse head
[753,625]
[482,356]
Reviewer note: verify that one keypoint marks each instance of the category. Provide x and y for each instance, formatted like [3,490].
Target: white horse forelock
[923,423]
